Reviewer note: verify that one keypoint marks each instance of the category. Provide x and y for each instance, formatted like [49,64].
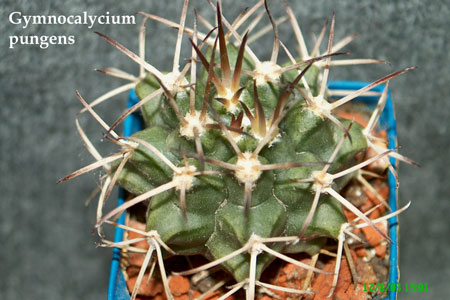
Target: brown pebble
[136,259]
[150,287]
[361,252]
[373,237]
[358,118]
[179,285]
[133,235]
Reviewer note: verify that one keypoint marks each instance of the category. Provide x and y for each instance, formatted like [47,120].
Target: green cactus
[211,219]
[239,152]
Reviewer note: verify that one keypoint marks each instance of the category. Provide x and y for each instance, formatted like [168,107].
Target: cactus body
[216,222]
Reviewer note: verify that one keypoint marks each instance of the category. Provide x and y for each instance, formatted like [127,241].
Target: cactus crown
[240,158]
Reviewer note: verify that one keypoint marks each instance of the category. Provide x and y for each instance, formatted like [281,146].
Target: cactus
[241,160]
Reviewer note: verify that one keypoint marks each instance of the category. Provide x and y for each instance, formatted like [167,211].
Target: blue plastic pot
[117,289]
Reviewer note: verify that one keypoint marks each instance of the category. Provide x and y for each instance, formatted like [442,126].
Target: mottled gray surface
[47,249]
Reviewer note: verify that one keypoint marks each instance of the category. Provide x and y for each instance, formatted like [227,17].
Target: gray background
[47,250]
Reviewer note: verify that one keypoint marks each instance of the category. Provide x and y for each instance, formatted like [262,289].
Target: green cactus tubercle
[205,212]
